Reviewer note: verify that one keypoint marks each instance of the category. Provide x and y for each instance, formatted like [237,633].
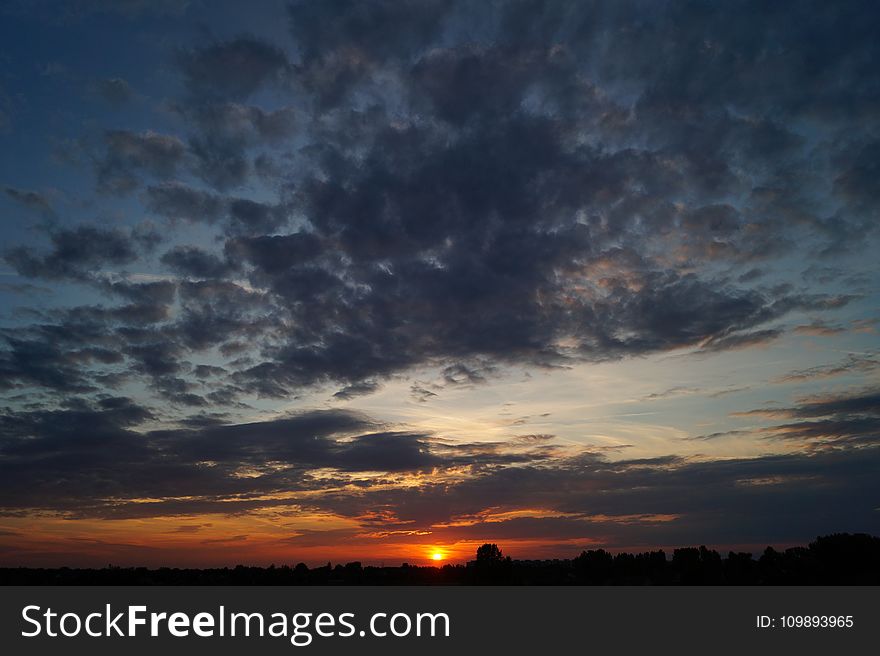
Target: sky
[378,281]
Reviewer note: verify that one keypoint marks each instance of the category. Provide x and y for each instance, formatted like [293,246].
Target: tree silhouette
[594,566]
[489,553]
[840,559]
[491,565]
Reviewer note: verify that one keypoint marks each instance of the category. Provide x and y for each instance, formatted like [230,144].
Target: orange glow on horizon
[253,539]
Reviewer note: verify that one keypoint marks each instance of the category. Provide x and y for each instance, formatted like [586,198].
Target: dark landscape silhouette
[838,559]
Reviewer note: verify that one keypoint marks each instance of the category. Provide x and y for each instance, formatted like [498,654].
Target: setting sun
[436,555]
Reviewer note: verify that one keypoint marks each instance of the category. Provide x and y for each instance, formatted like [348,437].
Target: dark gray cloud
[60,443]
[420,393]
[854,363]
[863,405]
[240,124]
[868,402]
[441,182]
[461,374]
[84,348]
[87,459]
[220,136]
[343,46]
[217,312]
[127,154]
[504,302]
[222,164]
[482,200]
[43,365]
[738,500]
[830,421]
[357,389]
[75,253]
[249,216]
[195,262]
[279,453]
[224,132]
[159,292]
[176,201]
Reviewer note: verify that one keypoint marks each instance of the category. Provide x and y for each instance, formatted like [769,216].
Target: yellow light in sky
[436,555]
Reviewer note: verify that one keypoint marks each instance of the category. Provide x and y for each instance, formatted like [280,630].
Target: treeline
[840,559]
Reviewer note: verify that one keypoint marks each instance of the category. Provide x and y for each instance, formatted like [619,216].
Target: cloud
[45,444]
[443,184]
[521,488]
[857,183]
[239,124]
[851,365]
[845,404]
[195,262]
[461,374]
[250,216]
[212,460]
[41,364]
[128,153]
[218,78]
[832,421]
[730,506]
[342,47]
[420,394]
[231,69]
[75,253]
[30,199]
[357,389]
[84,348]
[742,340]
[819,329]
[223,133]
[116,91]
[175,200]
[718,435]
[178,201]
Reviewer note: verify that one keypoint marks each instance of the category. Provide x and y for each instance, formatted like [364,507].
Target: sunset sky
[311,281]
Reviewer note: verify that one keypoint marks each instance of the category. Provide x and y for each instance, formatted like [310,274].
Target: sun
[437,555]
